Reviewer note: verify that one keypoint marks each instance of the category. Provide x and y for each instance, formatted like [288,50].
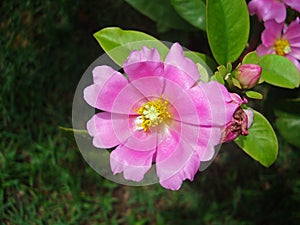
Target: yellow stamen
[152,114]
[282,47]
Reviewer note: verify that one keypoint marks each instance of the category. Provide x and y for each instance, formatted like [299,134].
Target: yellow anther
[282,47]
[152,114]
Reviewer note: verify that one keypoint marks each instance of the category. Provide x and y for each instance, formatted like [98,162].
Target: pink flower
[277,38]
[161,115]
[272,9]
[248,75]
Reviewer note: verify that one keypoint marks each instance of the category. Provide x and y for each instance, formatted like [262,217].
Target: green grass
[45,48]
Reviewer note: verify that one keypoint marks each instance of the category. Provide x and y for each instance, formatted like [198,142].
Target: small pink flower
[248,75]
[272,9]
[160,115]
[277,38]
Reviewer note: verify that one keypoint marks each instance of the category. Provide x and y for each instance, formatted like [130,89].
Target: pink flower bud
[248,75]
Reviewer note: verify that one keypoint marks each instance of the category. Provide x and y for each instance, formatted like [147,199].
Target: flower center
[152,114]
[282,47]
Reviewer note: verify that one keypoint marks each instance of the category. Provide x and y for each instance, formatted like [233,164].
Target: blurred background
[45,48]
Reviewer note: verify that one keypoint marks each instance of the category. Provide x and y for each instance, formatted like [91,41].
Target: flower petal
[142,141]
[202,139]
[202,104]
[175,161]
[263,50]
[276,12]
[150,86]
[295,52]
[295,42]
[132,138]
[143,63]
[128,100]
[259,7]
[187,172]
[180,69]
[294,4]
[293,30]
[133,164]
[182,107]
[214,104]
[271,33]
[100,127]
[209,138]
[168,142]
[107,85]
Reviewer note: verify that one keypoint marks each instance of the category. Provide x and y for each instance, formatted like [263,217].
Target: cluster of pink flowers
[278,38]
[161,114]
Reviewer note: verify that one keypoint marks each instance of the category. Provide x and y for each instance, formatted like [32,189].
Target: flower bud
[248,75]
[239,125]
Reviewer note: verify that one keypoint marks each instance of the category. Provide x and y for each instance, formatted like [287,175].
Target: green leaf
[72,131]
[204,76]
[261,142]
[217,77]
[235,82]
[289,126]
[160,11]
[222,70]
[192,11]
[220,74]
[288,121]
[251,58]
[227,28]
[228,67]
[279,71]
[118,43]
[254,95]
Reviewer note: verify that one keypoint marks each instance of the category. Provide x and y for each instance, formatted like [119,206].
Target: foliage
[227,37]
[260,142]
[279,71]
[125,41]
